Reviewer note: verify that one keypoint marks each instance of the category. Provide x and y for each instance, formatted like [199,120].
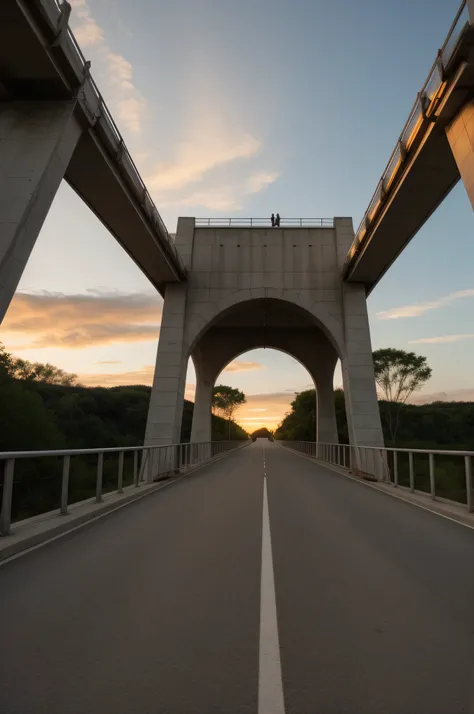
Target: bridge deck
[157,608]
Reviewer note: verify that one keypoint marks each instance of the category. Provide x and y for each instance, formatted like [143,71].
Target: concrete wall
[295,273]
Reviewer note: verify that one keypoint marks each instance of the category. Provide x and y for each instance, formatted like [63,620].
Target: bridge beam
[37,140]
[201,430]
[470,7]
[460,135]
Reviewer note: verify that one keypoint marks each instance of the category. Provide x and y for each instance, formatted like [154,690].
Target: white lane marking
[270,686]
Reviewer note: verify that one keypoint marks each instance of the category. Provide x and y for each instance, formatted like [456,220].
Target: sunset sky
[240,109]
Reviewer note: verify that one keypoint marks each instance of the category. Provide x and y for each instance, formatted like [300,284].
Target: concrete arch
[203,315]
[223,342]
[235,270]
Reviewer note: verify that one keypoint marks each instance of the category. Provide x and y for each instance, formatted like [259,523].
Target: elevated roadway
[40,62]
[422,169]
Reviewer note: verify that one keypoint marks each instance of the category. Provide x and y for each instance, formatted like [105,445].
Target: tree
[398,374]
[262,433]
[226,400]
[18,368]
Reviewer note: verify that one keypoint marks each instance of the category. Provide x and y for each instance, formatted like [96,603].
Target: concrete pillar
[460,135]
[470,7]
[184,240]
[167,394]
[363,416]
[202,416]
[326,429]
[37,140]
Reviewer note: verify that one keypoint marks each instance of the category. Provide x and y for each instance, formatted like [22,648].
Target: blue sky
[244,108]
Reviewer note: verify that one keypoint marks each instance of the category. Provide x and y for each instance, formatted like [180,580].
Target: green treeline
[37,415]
[439,425]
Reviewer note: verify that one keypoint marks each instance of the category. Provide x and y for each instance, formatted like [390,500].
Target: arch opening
[265,313]
[273,325]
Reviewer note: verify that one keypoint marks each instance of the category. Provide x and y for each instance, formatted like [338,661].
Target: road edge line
[393,494]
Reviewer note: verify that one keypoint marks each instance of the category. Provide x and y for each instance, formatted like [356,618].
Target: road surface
[260,584]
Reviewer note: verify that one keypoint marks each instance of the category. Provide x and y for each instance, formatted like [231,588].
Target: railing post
[120,473]
[6,514]
[65,484]
[432,477]
[135,468]
[412,473]
[100,469]
[150,465]
[395,469]
[469,485]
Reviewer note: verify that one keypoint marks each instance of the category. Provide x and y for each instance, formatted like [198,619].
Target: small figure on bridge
[277,220]
[273,220]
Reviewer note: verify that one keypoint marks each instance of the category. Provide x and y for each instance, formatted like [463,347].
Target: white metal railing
[424,108]
[56,15]
[156,461]
[416,470]
[265,222]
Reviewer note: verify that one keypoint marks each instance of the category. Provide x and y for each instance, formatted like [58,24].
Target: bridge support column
[470,7]
[460,135]
[326,429]
[362,408]
[167,394]
[202,419]
[37,140]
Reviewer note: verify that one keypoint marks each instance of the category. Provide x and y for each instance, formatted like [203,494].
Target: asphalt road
[165,607]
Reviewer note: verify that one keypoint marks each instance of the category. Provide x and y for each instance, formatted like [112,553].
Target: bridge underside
[273,324]
[40,67]
[426,172]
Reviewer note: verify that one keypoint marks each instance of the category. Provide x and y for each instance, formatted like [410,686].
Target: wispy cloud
[200,154]
[76,321]
[144,375]
[87,31]
[209,166]
[260,180]
[242,366]
[222,198]
[451,395]
[129,102]
[418,309]
[441,339]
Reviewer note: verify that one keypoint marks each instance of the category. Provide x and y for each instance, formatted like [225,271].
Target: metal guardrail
[398,467]
[56,15]
[265,222]
[425,105]
[156,461]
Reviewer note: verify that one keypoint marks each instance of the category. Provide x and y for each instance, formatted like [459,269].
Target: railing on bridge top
[425,105]
[56,15]
[94,470]
[264,222]
[444,475]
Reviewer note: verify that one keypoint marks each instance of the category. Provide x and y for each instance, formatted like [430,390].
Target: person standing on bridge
[272,218]
[277,220]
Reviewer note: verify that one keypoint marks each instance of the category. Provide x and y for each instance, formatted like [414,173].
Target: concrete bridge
[300,288]
[269,580]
